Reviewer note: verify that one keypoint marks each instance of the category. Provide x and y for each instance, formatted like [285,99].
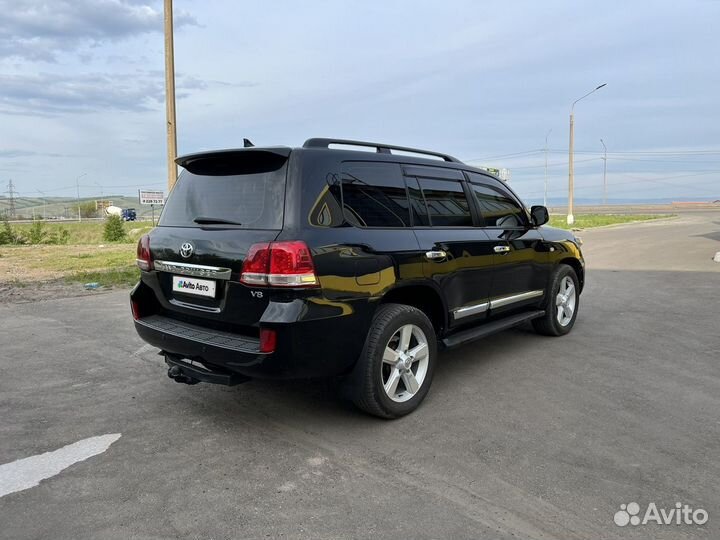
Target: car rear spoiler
[235,161]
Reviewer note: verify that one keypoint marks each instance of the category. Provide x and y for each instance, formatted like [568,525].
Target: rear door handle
[435,255]
[501,249]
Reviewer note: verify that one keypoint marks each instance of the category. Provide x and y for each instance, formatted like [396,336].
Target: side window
[498,208]
[374,195]
[327,212]
[418,208]
[446,203]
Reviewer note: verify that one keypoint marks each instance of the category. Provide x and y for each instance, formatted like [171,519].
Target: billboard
[151,197]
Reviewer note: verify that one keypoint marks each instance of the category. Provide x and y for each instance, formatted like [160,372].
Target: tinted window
[497,206]
[374,195]
[255,201]
[327,209]
[446,203]
[418,208]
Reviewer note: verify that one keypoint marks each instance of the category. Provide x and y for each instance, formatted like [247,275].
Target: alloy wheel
[405,363]
[565,301]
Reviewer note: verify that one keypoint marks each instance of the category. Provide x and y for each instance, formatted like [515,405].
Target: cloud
[54,93]
[36,31]
[47,94]
[11,153]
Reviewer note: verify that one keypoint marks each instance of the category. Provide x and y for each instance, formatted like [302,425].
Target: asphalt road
[521,436]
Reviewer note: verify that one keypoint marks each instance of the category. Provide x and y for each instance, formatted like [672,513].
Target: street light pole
[571,157]
[546,153]
[604,173]
[170,95]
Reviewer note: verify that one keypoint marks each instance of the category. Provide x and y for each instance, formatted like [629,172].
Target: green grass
[586,221]
[51,262]
[89,232]
[123,276]
[96,260]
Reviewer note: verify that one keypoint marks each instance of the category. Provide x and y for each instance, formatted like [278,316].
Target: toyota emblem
[186,250]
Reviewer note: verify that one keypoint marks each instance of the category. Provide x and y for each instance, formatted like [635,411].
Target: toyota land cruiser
[344,258]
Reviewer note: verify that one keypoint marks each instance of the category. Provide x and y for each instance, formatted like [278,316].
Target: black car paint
[321,331]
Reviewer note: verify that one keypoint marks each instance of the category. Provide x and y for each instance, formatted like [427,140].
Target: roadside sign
[151,197]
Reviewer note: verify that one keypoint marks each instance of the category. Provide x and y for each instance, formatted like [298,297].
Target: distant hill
[560,201]
[59,207]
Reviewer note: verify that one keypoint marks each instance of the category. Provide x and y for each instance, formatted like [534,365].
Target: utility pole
[77,185]
[170,95]
[604,173]
[571,157]
[546,183]
[11,195]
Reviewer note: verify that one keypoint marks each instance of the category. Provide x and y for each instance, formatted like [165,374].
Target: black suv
[328,260]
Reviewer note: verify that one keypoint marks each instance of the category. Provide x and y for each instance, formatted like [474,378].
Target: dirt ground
[30,273]
[20,293]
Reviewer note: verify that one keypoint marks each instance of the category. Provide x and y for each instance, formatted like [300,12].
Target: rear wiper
[214,221]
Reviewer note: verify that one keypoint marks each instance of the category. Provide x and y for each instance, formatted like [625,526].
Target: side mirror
[539,215]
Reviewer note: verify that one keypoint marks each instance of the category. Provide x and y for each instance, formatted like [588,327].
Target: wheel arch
[424,297]
[578,267]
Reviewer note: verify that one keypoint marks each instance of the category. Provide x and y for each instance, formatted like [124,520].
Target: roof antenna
[247,143]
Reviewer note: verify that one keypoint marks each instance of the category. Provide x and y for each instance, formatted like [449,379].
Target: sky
[82,88]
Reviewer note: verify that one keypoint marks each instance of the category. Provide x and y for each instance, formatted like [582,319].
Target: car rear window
[252,201]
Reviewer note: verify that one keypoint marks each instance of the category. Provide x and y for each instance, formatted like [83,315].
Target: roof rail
[380,148]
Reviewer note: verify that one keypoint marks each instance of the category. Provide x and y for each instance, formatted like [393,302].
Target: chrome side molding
[505,300]
[197,270]
[466,311]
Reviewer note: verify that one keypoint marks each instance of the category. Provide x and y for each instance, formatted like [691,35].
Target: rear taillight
[135,308]
[268,340]
[256,265]
[279,264]
[144,258]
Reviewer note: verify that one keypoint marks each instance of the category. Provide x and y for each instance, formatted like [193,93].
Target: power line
[527,152]
[84,186]
[662,160]
[645,152]
[636,180]
[556,164]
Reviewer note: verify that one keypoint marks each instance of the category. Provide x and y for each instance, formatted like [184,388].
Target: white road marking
[29,472]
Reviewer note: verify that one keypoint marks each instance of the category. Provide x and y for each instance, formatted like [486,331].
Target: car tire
[387,381]
[561,304]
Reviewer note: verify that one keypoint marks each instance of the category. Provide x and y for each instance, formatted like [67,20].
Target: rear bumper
[314,339]
[191,341]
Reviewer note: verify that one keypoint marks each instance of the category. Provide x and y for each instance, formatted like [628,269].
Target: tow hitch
[176,374]
[183,371]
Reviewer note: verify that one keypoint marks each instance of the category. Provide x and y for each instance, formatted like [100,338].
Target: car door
[520,269]
[458,254]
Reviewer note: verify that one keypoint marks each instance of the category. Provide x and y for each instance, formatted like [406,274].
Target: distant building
[502,174]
